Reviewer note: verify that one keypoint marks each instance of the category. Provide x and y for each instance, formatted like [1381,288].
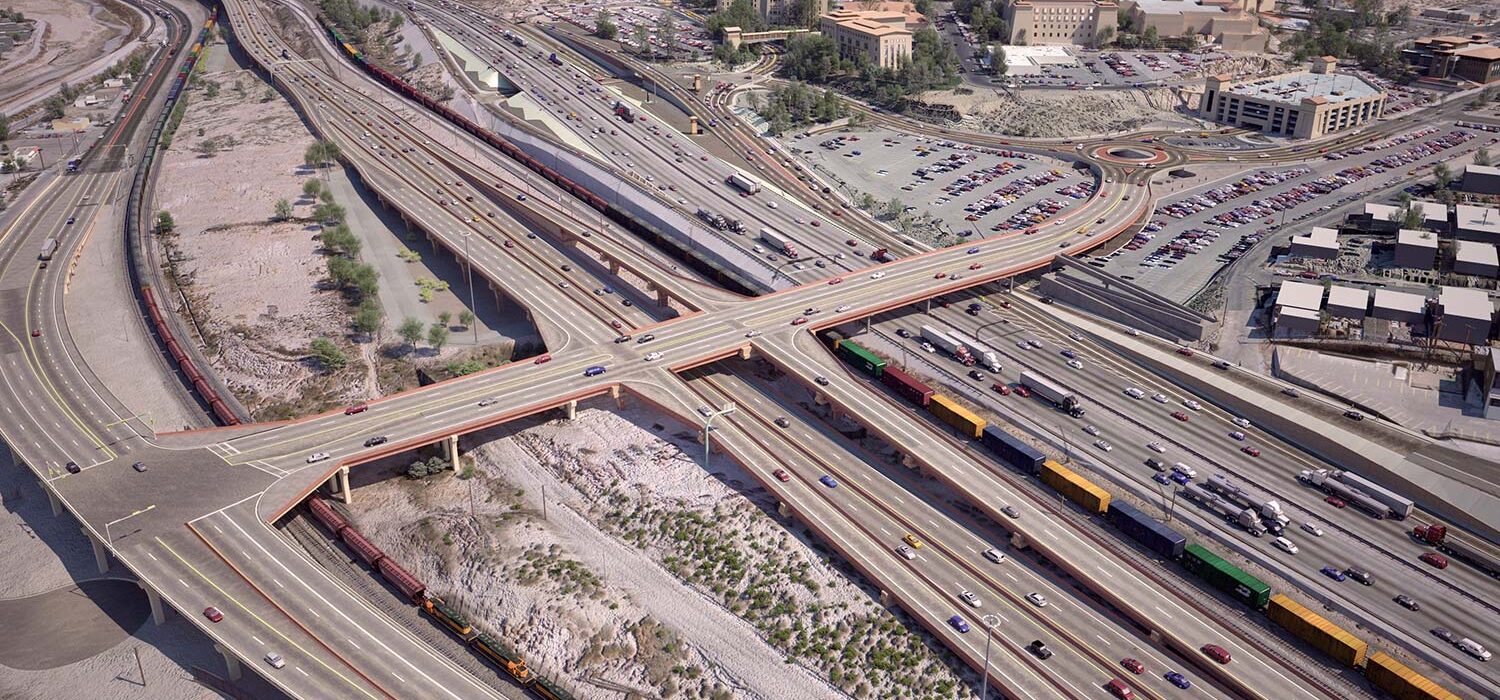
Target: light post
[984,676]
[107,537]
[708,426]
[469,273]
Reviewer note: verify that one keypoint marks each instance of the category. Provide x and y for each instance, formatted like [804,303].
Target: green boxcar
[1226,577]
[865,360]
[550,691]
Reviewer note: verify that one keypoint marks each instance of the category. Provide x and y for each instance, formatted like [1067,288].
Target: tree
[895,207]
[666,30]
[311,188]
[164,222]
[604,26]
[340,240]
[437,336]
[997,60]
[1442,175]
[445,318]
[397,19]
[283,210]
[466,318]
[1104,36]
[4,127]
[329,355]
[1150,38]
[329,213]
[211,90]
[56,107]
[642,37]
[369,317]
[411,331]
[320,154]
[1482,156]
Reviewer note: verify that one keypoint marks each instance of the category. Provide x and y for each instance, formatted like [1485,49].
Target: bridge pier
[101,555]
[910,462]
[783,510]
[340,485]
[885,598]
[663,299]
[614,267]
[451,444]
[746,351]
[618,396]
[231,663]
[819,399]
[1018,541]
[158,614]
[572,410]
[52,499]
[693,129]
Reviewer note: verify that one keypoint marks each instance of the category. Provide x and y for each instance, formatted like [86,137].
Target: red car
[1023,392]
[1217,653]
[975,266]
[510,243]
[1185,352]
[1001,389]
[1435,559]
[836,280]
[799,320]
[1179,415]
[1335,501]
[1118,689]
[356,409]
[1135,667]
[851,242]
[781,475]
[542,359]
[1252,451]
[940,275]
[36,333]
[213,614]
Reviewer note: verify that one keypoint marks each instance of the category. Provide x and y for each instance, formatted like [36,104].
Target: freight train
[1381,670]
[446,616]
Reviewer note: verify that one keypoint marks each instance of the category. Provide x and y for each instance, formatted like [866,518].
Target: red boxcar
[402,579]
[361,546]
[903,384]
[327,515]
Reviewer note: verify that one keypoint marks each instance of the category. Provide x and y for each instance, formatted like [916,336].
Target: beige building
[779,12]
[1226,22]
[1307,104]
[879,36]
[1066,22]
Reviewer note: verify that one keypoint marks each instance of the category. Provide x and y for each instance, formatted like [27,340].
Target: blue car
[1179,680]
[1161,478]
[972,251]
[1069,354]
[594,371]
[959,624]
[830,483]
[1333,573]
[1180,478]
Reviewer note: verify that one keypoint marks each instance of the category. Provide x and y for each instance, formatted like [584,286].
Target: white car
[1037,599]
[1091,430]
[1135,393]
[705,411]
[842,308]
[275,659]
[994,555]
[317,457]
[1284,545]
[487,402]
[877,275]
[906,552]
[1312,529]
[752,334]
[969,597]
[927,347]
[1243,423]
[1075,364]
[1103,445]
[1159,397]
[653,356]
[1193,405]
[1156,447]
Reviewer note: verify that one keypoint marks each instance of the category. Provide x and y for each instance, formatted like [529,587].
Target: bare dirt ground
[596,589]
[254,283]
[1066,113]
[69,35]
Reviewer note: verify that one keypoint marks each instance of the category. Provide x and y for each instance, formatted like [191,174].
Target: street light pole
[708,426]
[469,270]
[989,633]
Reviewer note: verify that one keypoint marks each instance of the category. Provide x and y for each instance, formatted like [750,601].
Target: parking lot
[690,42]
[970,190]
[1106,69]
[1192,235]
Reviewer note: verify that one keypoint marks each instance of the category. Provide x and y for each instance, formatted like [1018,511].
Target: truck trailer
[980,351]
[743,183]
[948,344]
[1438,536]
[779,241]
[1400,507]
[1062,398]
[1323,479]
[1231,513]
[1268,508]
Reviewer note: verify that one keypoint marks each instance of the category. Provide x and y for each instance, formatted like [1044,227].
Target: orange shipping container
[1074,487]
[1312,628]
[1401,682]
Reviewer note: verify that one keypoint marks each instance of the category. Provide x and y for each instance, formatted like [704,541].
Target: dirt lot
[258,281]
[631,516]
[69,34]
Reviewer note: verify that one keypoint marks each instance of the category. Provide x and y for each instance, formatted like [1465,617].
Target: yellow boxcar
[948,411]
[1401,682]
[1314,629]
[1074,487]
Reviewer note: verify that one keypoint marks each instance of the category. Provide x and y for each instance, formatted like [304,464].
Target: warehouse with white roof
[1467,315]
[1298,308]
[1319,243]
[1348,302]
[1474,258]
[1416,249]
[1402,307]
[1474,223]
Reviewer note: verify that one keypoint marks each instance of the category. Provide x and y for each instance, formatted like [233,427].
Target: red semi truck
[1437,535]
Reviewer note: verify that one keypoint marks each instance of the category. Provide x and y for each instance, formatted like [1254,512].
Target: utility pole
[989,633]
[469,272]
[708,426]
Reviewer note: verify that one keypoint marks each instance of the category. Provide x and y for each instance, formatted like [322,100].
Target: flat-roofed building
[1475,223]
[1348,302]
[1434,215]
[881,37]
[1291,320]
[1455,58]
[1403,307]
[1475,258]
[1467,315]
[782,12]
[1298,308]
[1416,249]
[1224,21]
[1320,243]
[1480,179]
[1306,104]
[1066,22]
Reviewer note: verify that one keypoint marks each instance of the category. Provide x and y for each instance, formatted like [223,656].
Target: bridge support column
[614,267]
[101,555]
[1018,541]
[867,324]
[697,82]
[346,494]
[158,614]
[618,396]
[231,663]
[783,510]
[451,443]
[909,462]
[693,129]
[819,399]
[52,499]
[662,299]
[572,409]
[745,352]
[885,598]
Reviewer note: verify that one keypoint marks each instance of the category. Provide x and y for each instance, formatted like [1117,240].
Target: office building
[1466,315]
[781,12]
[1416,249]
[1320,244]
[1480,179]
[881,37]
[1402,307]
[1306,104]
[1475,223]
[1474,258]
[1455,58]
[1348,302]
[1065,22]
[1226,22]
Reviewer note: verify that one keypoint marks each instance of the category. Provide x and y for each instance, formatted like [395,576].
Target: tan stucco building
[1065,22]
[1306,104]
[880,36]
[1227,22]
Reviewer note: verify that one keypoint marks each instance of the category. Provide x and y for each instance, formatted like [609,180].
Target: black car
[1010,511]
[903,332]
[1445,635]
[1409,603]
[377,440]
[72,467]
[623,339]
[783,422]
[1360,575]
[1037,647]
[1354,415]
[976,374]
